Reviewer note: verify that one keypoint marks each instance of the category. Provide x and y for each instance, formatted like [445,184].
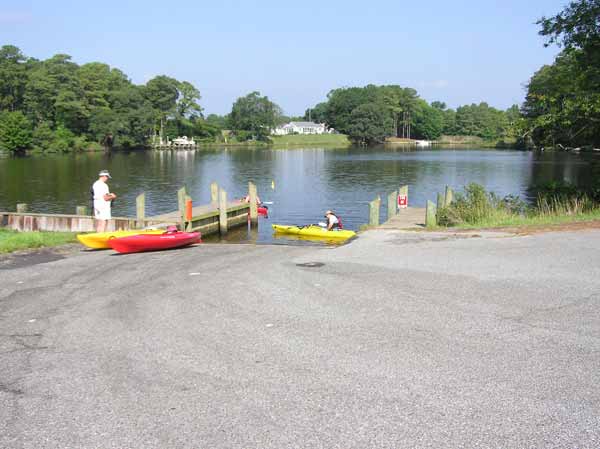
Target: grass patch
[14,241]
[536,220]
[556,204]
[339,140]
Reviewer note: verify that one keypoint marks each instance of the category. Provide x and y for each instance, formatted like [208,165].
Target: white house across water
[300,128]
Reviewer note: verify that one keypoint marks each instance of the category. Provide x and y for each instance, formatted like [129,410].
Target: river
[301,183]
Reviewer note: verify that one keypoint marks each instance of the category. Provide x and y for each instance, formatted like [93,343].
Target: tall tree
[187,102]
[53,92]
[369,123]
[428,121]
[162,93]
[562,106]
[67,104]
[577,28]
[254,113]
[341,103]
[13,78]
[317,114]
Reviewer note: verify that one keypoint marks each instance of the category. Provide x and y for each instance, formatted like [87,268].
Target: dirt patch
[426,237]
[538,229]
[27,258]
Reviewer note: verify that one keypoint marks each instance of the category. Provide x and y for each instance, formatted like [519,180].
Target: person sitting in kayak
[171,230]
[333,221]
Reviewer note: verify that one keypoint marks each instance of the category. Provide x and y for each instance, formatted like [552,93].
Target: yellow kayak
[99,240]
[314,231]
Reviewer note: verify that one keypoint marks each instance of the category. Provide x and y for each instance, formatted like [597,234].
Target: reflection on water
[308,181]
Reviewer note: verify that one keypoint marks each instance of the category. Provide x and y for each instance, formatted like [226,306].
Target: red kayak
[153,242]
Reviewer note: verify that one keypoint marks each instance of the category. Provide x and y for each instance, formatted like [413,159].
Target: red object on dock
[263,210]
[402,201]
[156,242]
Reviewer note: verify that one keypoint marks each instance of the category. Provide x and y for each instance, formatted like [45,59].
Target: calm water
[307,181]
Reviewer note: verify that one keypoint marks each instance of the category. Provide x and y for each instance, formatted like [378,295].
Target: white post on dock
[21,208]
[222,211]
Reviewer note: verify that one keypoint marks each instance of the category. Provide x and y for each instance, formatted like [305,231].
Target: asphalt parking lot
[395,340]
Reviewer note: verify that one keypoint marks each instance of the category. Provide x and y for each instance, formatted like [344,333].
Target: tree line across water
[58,105]
[372,113]
[561,108]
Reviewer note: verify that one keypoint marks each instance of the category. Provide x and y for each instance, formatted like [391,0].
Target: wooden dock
[216,217]
[207,218]
[29,221]
[400,216]
[408,218]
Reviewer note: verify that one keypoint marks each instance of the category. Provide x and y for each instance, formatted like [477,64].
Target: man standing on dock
[102,201]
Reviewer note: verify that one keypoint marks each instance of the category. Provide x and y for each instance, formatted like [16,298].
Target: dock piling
[440,202]
[214,194]
[374,211]
[430,215]
[188,213]
[392,204]
[222,211]
[449,196]
[181,193]
[140,209]
[252,193]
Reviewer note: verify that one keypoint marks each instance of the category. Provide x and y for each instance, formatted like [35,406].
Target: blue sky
[459,52]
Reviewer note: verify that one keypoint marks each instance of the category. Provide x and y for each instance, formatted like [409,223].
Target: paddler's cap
[328,212]
[105,173]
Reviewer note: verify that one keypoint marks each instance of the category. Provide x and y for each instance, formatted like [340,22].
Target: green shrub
[79,143]
[94,146]
[475,206]
[63,140]
[15,131]
[42,136]
[243,136]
